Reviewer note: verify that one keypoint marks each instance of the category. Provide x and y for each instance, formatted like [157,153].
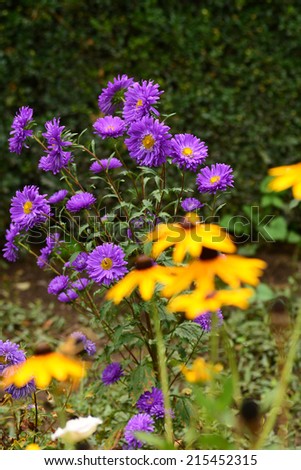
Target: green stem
[163,373]
[35,416]
[282,386]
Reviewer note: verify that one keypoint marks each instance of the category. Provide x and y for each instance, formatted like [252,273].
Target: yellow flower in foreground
[287,176]
[201,371]
[189,237]
[200,301]
[145,275]
[33,447]
[44,366]
[232,269]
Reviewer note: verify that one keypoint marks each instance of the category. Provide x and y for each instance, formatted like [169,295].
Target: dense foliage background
[232,71]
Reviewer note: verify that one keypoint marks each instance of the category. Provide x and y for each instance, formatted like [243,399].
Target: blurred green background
[231,70]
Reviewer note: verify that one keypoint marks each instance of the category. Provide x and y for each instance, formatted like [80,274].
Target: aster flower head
[218,177]
[109,126]
[152,403]
[19,132]
[56,157]
[88,345]
[80,284]
[67,296]
[148,142]
[191,204]
[58,284]
[205,320]
[80,262]
[29,208]
[11,355]
[105,164]
[57,197]
[10,250]
[106,264]
[81,200]
[187,151]
[51,242]
[112,373]
[111,97]
[141,422]
[140,100]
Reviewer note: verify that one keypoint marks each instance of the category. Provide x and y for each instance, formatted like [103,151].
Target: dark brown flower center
[143,262]
[43,348]
[208,254]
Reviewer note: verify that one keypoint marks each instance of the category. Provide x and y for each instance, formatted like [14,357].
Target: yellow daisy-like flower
[232,269]
[189,237]
[201,301]
[201,371]
[145,276]
[287,176]
[32,447]
[43,367]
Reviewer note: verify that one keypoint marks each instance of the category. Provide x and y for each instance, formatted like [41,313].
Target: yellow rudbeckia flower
[287,176]
[189,237]
[231,269]
[200,301]
[145,276]
[43,367]
[201,371]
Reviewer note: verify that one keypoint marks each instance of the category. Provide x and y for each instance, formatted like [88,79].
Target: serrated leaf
[188,330]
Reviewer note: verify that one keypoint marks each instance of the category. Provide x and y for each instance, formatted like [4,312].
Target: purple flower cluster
[111,98]
[218,177]
[112,373]
[19,132]
[56,157]
[139,100]
[148,142]
[12,355]
[51,242]
[79,263]
[187,151]
[29,208]
[205,320]
[10,250]
[105,164]
[191,204]
[79,201]
[141,422]
[58,284]
[57,197]
[109,126]
[65,289]
[80,284]
[152,403]
[88,345]
[106,264]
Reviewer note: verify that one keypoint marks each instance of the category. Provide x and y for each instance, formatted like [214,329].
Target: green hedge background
[230,69]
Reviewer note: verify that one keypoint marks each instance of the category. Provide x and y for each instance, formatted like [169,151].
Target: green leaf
[154,441]
[188,330]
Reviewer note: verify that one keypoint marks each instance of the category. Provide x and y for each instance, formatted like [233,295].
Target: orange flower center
[106,263]
[27,207]
[139,103]
[214,179]
[187,152]
[148,141]
[110,128]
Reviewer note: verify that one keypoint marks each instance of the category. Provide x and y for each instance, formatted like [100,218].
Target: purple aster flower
[138,423]
[205,320]
[105,164]
[109,126]
[88,345]
[152,403]
[69,296]
[112,373]
[58,284]
[187,151]
[139,100]
[58,196]
[148,142]
[190,204]
[51,242]
[106,264]
[111,98]
[10,250]
[56,158]
[19,134]
[80,284]
[29,208]
[215,178]
[80,262]
[12,355]
[79,201]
